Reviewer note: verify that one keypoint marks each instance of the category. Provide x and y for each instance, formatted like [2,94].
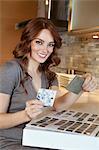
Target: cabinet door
[85,15]
[12,12]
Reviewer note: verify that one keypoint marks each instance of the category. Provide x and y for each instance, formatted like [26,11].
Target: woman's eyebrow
[44,41]
[39,39]
[52,42]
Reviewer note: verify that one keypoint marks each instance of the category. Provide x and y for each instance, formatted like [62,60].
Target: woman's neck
[33,67]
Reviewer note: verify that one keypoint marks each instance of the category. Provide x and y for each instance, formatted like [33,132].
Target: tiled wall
[80,55]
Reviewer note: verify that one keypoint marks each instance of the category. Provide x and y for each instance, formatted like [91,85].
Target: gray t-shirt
[11,75]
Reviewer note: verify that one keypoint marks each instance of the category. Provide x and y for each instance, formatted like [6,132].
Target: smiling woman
[22,77]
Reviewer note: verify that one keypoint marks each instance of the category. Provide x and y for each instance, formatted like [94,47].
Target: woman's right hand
[33,108]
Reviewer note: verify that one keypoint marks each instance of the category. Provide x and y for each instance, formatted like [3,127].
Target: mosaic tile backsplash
[79,56]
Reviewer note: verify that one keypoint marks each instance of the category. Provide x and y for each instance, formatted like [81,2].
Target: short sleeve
[8,77]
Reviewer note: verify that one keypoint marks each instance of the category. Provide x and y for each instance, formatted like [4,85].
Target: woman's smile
[42,55]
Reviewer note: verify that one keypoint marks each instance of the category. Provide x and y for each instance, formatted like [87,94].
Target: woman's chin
[42,60]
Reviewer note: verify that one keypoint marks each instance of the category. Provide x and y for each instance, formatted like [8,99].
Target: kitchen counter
[87,102]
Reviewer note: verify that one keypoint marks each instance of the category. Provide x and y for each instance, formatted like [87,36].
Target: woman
[21,78]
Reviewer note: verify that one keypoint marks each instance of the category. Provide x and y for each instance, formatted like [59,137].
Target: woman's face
[42,46]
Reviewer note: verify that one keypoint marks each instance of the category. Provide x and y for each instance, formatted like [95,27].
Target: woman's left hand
[90,83]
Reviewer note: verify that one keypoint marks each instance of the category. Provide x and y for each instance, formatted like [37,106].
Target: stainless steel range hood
[84,16]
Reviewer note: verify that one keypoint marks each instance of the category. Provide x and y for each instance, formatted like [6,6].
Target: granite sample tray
[68,122]
[72,121]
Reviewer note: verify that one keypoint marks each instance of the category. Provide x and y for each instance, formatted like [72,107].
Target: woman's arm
[64,99]
[67,99]
[8,120]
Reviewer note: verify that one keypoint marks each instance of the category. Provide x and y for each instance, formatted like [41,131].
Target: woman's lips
[42,55]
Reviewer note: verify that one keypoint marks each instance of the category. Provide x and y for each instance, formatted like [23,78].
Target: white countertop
[88,102]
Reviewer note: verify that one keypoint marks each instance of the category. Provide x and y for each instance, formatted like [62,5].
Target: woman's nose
[45,48]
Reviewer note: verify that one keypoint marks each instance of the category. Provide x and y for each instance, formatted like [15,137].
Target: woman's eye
[51,44]
[39,42]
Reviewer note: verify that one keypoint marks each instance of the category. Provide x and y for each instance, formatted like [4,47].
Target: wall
[12,12]
[80,55]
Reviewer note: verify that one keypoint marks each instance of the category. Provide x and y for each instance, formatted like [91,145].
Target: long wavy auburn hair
[31,30]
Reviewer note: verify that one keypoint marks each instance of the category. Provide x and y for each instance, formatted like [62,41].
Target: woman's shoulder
[10,63]
[9,76]
[10,67]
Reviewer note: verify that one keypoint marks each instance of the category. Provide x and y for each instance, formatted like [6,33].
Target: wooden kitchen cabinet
[12,12]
